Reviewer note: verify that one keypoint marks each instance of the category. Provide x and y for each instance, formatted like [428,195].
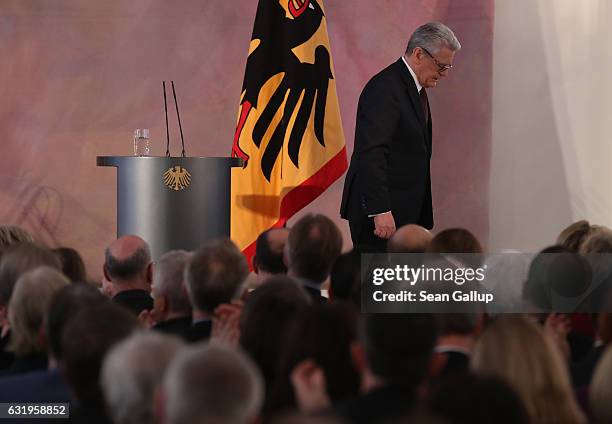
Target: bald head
[127,259]
[410,238]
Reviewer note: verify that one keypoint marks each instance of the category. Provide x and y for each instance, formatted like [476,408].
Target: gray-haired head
[132,371]
[127,258]
[168,280]
[433,36]
[212,383]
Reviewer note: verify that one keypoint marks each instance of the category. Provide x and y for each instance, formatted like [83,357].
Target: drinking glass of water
[141,142]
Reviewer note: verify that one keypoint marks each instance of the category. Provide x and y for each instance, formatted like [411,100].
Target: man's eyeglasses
[442,67]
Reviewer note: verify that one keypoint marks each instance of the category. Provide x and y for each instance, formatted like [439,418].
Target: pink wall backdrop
[76,77]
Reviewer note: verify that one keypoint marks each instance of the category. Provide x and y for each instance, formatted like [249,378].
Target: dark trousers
[364,239]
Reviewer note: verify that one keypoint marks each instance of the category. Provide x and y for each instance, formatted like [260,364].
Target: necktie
[424,104]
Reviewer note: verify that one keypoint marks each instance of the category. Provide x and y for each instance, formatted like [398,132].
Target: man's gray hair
[433,36]
[132,371]
[212,383]
[168,280]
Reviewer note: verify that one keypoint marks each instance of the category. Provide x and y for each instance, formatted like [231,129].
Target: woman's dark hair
[267,314]
[73,266]
[322,333]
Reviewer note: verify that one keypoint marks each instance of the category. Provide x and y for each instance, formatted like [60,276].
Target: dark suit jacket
[199,331]
[383,405]
[390,166]
[134,300]
[36,386]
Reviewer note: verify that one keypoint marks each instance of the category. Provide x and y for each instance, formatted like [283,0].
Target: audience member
[465,246]
[345,278]
[48,385]
[409,238]
[171,312]
[129,270]
[505,274]
[475,399]
[267,314]
[131,373]
[601,387]
[574,235]
[313,245]
[394,357]
[28,308]
[215,275]
[519,352]
[599,240]
[457,335]
[11,235]
[210,383]
[17,260]
[73,266]
[86,339]
[320,337]
[268,259]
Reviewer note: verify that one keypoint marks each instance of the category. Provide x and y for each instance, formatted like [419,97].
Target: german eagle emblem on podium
[177,178]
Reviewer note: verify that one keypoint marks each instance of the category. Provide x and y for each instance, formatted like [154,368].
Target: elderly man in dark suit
[388,183]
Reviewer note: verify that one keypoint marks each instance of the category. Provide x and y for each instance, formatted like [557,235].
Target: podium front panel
[173,203]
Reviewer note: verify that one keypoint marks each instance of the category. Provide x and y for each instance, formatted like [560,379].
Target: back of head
[29,307]
[127,258]
[66,303]
[600,389]
[409,238]
[132,371]
[314,244]
[490,400]
[269,251]
[168,280]
[454,240]
[574,235]
[460,241]
[73,266]
[519,352]
[86,340]
[398,347]
[212,383]
[599,240]
[11,235]
[433,36]
[345,278]
[458,324]
[19,259]
[323,333]
[267,313]
[215,274]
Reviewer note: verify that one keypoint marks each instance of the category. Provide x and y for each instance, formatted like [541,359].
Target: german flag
[289,131]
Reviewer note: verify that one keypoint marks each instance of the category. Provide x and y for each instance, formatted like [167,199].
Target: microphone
[167,130]
[179,118]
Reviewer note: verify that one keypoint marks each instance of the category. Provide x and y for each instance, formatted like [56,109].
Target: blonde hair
[519,352]
[601,386]
[29,306]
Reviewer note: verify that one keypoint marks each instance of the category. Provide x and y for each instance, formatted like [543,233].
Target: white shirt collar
[414,77]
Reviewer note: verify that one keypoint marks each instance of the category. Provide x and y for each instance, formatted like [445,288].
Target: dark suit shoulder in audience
[27,363]
[199,331]
[177,326]
[457,363]
[36,386]
[134,300]
[6,357]
[582,371]
[382,405]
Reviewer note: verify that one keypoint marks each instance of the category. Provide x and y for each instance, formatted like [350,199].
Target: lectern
[172,203]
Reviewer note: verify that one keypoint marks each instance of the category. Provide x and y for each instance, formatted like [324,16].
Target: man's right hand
[384,225]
